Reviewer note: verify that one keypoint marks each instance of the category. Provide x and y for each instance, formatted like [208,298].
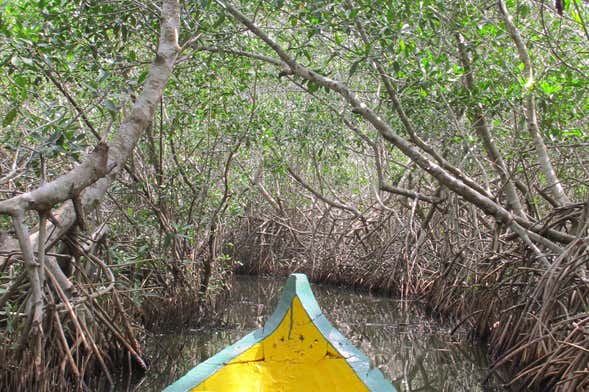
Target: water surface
[413,351]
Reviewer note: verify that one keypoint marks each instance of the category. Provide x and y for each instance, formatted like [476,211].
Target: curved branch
[68,186]
[332,203]
[419,142]
[90,180]
[455,184]
[382,185]
[134,123]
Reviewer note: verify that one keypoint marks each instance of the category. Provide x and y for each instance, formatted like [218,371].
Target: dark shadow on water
[414,351]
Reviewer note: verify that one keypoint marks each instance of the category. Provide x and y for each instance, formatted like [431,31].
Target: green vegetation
[150,149]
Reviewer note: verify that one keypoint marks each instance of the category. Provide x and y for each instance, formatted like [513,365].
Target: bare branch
[332,203]
[63,188]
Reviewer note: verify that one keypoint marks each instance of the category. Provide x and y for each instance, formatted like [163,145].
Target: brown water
[415,352]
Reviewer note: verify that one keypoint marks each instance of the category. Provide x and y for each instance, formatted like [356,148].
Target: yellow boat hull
[297,350]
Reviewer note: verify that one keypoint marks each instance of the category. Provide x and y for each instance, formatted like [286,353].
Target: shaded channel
[414,351]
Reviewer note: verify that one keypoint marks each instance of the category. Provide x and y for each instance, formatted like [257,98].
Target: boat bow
[297,350]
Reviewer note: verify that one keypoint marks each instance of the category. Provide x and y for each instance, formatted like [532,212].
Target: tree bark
[84,186]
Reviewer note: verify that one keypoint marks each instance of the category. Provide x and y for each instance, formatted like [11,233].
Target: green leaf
[27,61]
[548,88]
[524,10]
[142,76]
[576,17]
[10,116]
[396,67]
[312,86]
[354,67]
[110,106]
[573,133]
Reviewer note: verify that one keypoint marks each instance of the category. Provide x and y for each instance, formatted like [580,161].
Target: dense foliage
[427,148]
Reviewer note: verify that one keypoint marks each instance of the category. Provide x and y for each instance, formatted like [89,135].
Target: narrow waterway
[414,351]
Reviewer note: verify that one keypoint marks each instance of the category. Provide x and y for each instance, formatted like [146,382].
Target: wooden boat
[296,350]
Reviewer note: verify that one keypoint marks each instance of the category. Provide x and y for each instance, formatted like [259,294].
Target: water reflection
[411,349]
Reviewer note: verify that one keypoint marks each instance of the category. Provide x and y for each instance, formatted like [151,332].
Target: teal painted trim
[358,361]
[297,285]
[207,368]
